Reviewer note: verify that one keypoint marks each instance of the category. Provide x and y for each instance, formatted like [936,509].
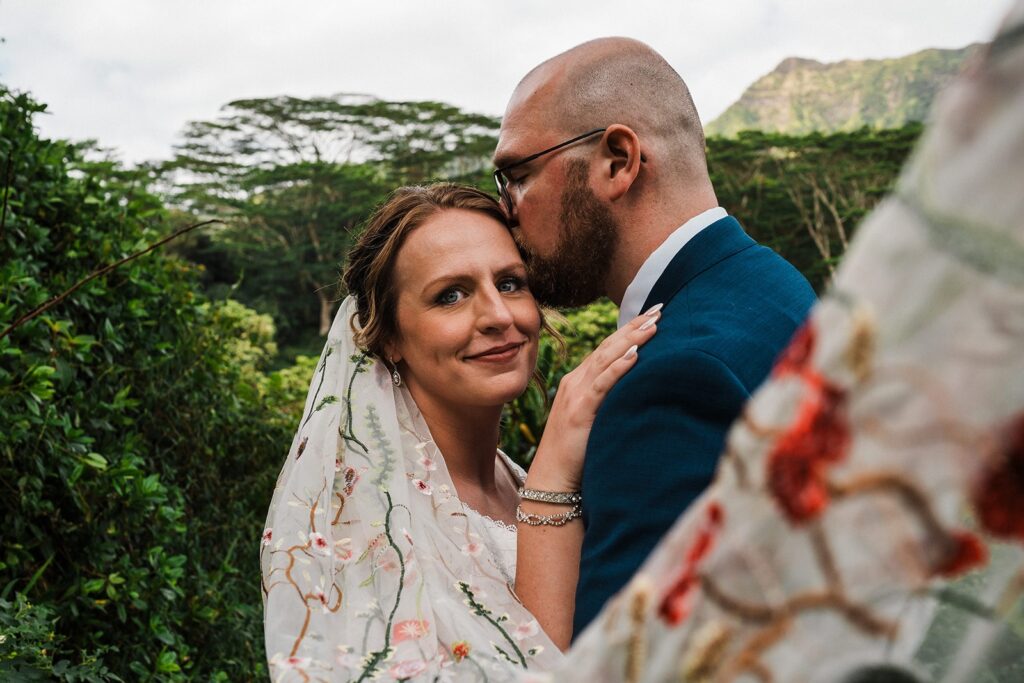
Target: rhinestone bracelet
[557,497]
[561,519]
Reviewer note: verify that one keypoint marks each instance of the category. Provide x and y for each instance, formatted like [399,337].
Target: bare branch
[35,312]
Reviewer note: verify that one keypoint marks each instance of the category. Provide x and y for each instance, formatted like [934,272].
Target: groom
[601,166]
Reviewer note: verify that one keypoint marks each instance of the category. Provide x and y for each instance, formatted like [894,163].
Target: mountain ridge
[802,95]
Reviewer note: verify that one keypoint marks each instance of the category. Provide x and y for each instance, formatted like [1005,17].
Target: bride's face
[467,324]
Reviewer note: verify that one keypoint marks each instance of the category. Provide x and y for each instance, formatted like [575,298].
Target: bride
[391,539]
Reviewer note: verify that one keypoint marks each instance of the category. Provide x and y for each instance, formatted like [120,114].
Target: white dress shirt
[643,282]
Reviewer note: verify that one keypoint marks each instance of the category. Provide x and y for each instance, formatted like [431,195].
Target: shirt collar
[643,282]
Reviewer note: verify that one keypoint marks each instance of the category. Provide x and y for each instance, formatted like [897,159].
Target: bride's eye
[511,284]
[450,296]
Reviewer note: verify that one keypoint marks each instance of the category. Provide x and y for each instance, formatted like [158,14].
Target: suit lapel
[717,242]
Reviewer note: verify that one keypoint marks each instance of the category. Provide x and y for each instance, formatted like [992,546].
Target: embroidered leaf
[326,401]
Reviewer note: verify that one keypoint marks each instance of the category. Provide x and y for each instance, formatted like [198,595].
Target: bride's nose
[492,310]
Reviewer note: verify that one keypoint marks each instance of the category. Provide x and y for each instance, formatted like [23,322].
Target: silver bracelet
[557,497]
[561,519]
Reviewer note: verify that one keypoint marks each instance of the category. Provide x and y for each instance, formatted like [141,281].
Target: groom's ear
[621,160]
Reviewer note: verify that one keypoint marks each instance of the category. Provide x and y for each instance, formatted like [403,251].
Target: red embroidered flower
[460,650]
[678,601]
[319,543]
[795,358]
[818,437]
[999,498]
[965,552]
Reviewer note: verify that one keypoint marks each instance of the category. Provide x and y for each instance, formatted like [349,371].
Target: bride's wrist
[543,477]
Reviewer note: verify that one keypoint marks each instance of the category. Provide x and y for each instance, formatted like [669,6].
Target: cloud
[132,72]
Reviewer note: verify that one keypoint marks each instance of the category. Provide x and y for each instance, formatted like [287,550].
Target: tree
[804,195]
[296,177]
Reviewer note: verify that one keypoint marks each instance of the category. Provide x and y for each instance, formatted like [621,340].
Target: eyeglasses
[501,180]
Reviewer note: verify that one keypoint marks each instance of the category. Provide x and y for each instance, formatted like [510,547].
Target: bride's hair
[369,273]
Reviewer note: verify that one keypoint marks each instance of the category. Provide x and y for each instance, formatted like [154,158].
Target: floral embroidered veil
[371,564]
[866,522]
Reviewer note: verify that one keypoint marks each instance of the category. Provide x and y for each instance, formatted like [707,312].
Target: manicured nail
[653,309]
[649,324]
[630,354]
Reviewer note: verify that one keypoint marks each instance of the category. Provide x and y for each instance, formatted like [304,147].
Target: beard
[574,274]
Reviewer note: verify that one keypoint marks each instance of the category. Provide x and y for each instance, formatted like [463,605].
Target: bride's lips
[498,354]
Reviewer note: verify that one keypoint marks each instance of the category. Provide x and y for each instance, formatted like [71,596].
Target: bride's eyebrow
[514,268]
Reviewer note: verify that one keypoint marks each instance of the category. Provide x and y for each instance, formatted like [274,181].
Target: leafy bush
[582,330]
[29,643]
[137,455]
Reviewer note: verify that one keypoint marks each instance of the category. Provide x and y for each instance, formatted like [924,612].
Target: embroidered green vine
[481,611]
[323,367]
[360,361]
[376,658]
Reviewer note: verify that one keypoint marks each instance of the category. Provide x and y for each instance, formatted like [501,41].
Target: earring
[396,378]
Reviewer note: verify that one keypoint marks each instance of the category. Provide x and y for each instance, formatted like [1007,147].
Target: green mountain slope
[803,95]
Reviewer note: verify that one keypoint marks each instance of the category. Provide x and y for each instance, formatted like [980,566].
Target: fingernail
[653,309]
[630,354]
[649,324]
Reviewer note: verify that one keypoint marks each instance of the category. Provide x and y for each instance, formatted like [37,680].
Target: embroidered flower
[678,601]
[319,544]
[472,549]
[268,536]
[387,563]
[460,650]
[796,357]
[350,477]
[349,660]
[818,437]
[337,465]
[427,463]
[408,536]
[410,629]
[525,630]
[999,498]
[966,551]
[302,447]
[422,486]
[343,550]
[321,597]
[407,669]
[293,662]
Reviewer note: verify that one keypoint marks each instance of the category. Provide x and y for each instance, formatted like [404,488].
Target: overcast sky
[132,72]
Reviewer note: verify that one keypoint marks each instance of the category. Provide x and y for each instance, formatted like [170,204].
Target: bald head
[614,80]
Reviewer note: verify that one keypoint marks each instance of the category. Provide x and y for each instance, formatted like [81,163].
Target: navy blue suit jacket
[731,306]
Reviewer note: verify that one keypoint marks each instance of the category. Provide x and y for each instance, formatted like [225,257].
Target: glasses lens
[499,180]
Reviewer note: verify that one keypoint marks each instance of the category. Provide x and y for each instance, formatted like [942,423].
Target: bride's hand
[558,464]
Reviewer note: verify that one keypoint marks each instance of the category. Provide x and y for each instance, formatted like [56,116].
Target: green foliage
[137,456]
[29,645]
[582,330]
[285,389]
[804,195]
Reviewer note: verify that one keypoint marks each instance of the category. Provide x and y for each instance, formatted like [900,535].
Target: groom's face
[570,269]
